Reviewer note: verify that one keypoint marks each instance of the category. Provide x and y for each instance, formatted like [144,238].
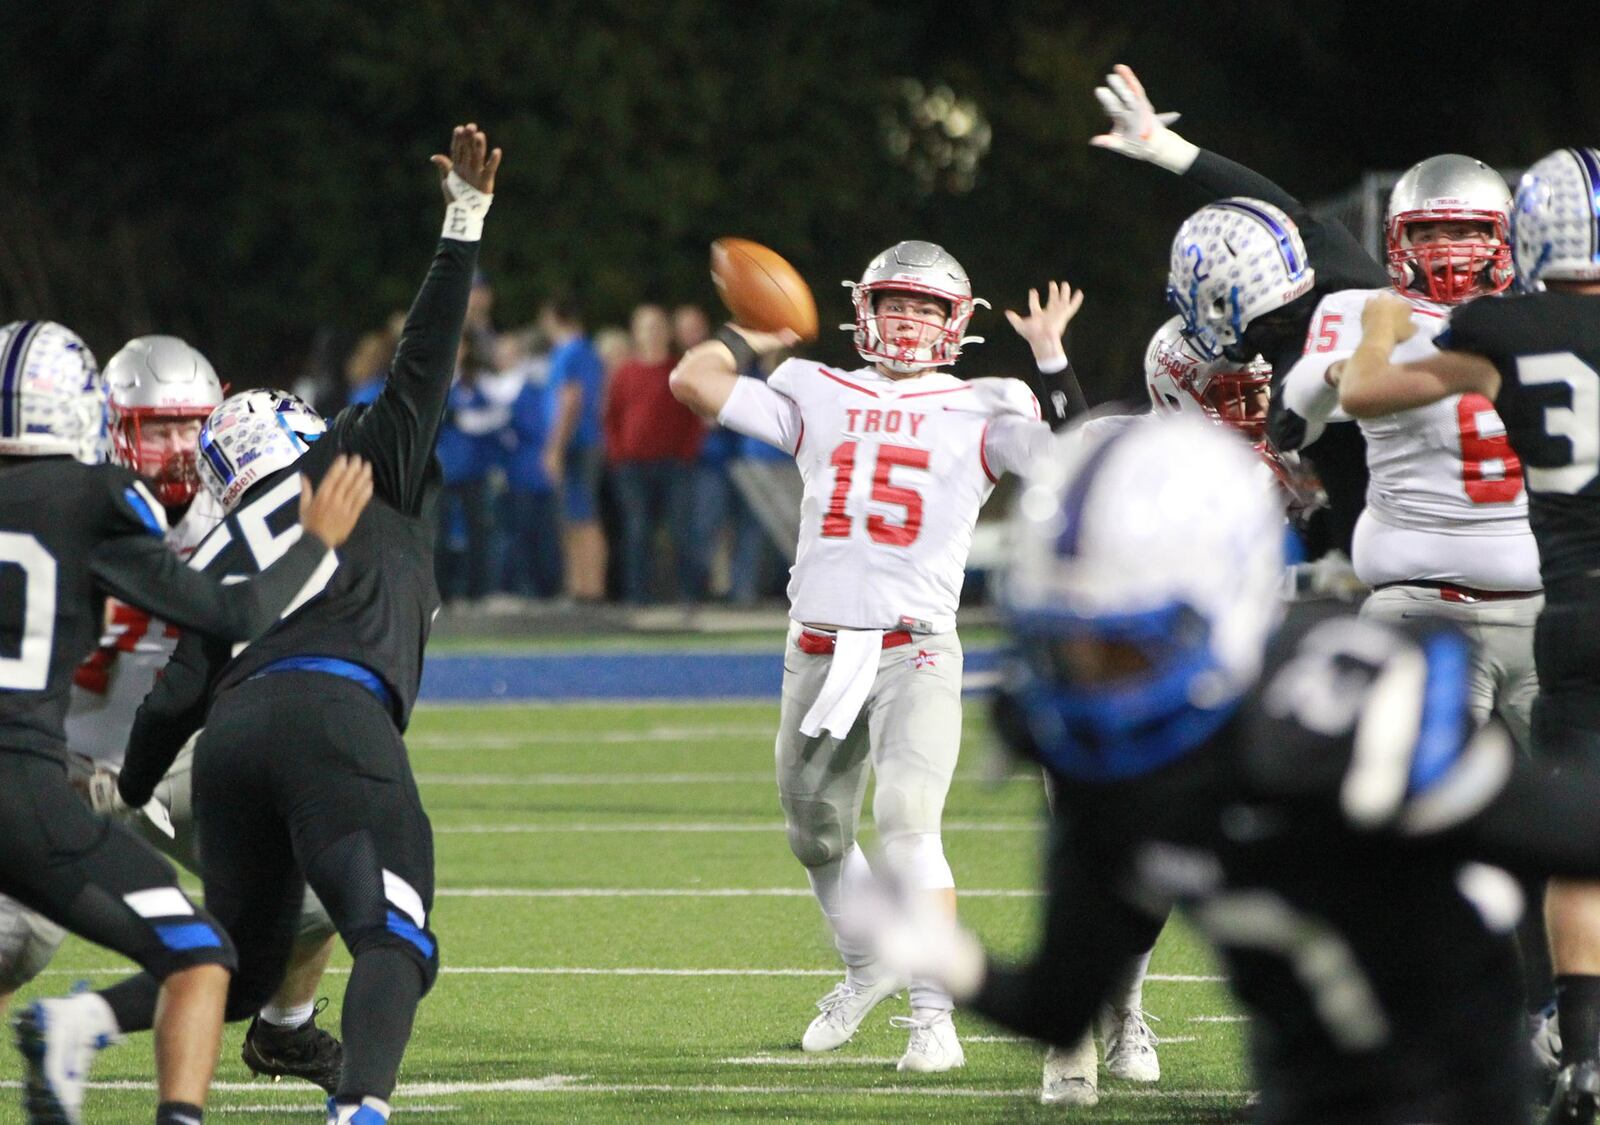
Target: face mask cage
[1447,271]
[1238,399]
[172,469]
[938,348]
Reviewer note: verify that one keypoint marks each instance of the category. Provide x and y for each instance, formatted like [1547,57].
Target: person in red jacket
[652,441]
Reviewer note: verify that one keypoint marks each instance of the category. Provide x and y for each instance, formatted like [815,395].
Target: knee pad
[917,860]
[816,832]
[417,942]
[28,940]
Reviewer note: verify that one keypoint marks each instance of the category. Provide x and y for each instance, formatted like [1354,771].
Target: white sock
[837,886]
[288,1017]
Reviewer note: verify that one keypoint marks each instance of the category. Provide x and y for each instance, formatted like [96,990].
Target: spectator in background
[652,441]
[572,452]
[468,449]
[367,365]
[530,510]
[612,345]
[690,326]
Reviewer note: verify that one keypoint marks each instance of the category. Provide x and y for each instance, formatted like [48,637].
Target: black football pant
[302,777]
[95,876]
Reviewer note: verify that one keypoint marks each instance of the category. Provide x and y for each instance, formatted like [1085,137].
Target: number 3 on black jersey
[1567,456]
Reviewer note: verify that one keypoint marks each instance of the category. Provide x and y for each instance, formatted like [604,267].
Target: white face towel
[850,678]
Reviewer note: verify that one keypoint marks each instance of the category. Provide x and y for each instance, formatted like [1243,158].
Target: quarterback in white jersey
[1445,529]
[897,458]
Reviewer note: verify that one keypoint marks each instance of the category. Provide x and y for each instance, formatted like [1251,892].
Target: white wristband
[1172,152]
[1052,365]
[463,215]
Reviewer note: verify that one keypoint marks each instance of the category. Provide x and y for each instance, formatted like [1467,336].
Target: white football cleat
[59,1040]
[843,1009]
[1546,1043]
[933,1046]
[1072,1074]
[1130,1046]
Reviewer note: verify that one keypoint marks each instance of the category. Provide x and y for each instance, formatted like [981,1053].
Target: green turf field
[626,938]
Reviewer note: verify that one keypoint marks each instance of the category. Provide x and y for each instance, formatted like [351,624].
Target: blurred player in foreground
[1312,791]
[897,458]
[1537,358]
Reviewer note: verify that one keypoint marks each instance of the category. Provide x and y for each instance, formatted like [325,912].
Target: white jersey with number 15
[895,471]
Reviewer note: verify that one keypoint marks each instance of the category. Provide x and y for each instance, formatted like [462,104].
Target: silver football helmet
[251,435]
[156,379]
[1232,261]
[52,396]
[926,270]
[1555,222]
[1449,188]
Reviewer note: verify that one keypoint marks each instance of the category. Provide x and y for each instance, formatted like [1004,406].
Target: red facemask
[1450,272]
[168,466]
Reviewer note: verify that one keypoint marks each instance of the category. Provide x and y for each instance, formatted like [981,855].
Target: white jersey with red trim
[114,679]
[895,471]
[1444,469]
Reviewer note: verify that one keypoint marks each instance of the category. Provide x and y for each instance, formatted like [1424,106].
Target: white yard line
[815,1060]
[681,892]
[626,971]
[500,780]
[571,1084]
[483,740]
[519,829]
[1219,1019]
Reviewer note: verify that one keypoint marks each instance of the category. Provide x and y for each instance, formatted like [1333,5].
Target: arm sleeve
[1060,395]
[397,433]
[757,410]
[1011,442]
[1089,938]
[174,710]
[1306,392]
[141,570]
[1220,177]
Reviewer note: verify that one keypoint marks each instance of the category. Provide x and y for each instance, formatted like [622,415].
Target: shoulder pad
[133,506]
[789,372]
[1005,396]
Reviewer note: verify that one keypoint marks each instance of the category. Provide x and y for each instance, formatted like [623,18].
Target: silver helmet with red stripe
[161,390]
[906,340]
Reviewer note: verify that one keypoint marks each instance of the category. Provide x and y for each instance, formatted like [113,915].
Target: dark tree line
[243,173]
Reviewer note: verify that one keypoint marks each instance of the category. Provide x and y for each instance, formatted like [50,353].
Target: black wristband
[744,356]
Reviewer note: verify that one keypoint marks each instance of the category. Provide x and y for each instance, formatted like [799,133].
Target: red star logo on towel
[924,659]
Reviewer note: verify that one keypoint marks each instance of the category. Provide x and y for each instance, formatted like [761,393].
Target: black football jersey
[1547,349]
[69,535]
[377,607]
[1331,843]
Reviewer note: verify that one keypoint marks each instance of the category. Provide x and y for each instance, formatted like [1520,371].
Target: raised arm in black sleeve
[1090,936]
[1340,260]
[141,570]
[397,433]
[1060,397]
[174,710]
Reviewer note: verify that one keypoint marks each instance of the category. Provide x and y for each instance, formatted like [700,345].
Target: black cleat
[1576,1094]
[306,1052]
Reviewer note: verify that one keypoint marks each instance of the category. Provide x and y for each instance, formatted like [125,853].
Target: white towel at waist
[850,678]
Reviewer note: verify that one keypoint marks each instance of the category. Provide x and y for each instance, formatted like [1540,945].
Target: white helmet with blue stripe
[1555,219]
[252,435]
[1160,540]
[1232,261]
[52,397]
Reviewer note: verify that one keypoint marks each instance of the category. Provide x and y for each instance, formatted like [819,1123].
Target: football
[761,290]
